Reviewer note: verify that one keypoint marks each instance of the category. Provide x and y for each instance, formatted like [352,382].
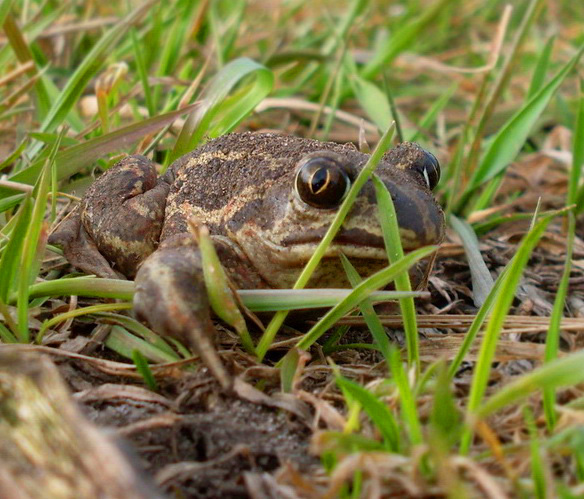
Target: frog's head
[294,212]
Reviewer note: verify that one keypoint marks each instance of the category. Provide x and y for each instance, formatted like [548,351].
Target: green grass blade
[213,19]
[392,239]
[232,18]
[6,336]
[432,114]
[538,474]
[343,443]
[136,328]
[337,38]
[219,291]
[272,300]
[477,323]
[332,342]
[366,308]
[30,247]
[93,309]
[23,52]
[565,371]
[452,179]
[445,419]
[4,10]
[552,341]
[288,370]
[143,73]
[9,263]
[217,102]
[319,252]
[373,101]
[144,370]
[376,410]
[509,140]
[485,199]
[14,155]
[402,38]
[51,138]
[176,39]
[575,195]
[84,286]
[541,68]
[257,300]
[10,202]
[505,296]
[393,107]
[125,343]
[406,398]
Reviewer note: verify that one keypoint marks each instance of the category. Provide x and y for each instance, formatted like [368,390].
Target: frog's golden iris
[322,182]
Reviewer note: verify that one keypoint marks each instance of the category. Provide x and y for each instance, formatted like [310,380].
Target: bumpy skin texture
[132,223]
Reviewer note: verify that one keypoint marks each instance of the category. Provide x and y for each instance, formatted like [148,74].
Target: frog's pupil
[320,180]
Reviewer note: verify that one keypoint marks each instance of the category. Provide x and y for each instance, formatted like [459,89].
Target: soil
[194,440]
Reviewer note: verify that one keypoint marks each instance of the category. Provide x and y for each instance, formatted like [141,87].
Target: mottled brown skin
[133,223]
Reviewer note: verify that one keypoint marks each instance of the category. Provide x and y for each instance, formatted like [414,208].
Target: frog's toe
[79,249]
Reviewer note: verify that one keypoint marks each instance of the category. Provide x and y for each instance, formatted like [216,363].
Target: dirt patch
[194,440]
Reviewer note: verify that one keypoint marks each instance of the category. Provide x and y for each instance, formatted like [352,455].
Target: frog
[267,200]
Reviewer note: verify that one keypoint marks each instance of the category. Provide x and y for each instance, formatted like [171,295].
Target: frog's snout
[419,216]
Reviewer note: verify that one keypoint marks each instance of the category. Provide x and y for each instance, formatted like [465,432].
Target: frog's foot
[123,212]
[172,298]
[79,248]
[118,222]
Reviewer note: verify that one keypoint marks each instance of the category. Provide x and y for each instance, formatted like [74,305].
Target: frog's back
[227,174]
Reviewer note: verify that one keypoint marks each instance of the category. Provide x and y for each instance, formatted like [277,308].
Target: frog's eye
[322,182]
[429,168]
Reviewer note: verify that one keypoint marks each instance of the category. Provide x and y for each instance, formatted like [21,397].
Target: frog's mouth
[294,250]
[345,237]
[280,261]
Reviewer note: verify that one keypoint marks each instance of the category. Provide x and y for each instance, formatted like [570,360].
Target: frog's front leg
[118,222]
[172,298]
